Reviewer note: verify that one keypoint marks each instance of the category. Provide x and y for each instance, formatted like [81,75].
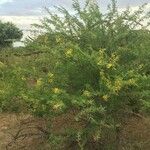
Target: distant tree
[8,33]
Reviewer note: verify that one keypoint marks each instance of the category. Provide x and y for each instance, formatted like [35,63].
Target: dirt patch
[22,132]
[135,134]
[25,132]
[64,122]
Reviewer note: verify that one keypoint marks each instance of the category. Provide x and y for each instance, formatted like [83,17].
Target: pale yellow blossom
[2,65]
[50,80]
[118,85]
[109,65]
[23,78]
[58,106]
[69,53]
[87,93]
[50,75]
[105,97]
[59,40]
[56,90]
[132,82]
[39,82]
[2,92]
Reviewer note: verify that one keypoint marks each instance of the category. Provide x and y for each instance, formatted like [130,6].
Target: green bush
[93,63]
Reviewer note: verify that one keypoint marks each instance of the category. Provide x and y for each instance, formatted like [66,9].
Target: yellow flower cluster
[39,82]
[140,66]
[56,90]
[45,39]
[112,61]
[101,57]
[59,40]
[50,77]
[50,74]
[114,86]
[25,97]
[69,53]
[109,65]
[2,92]
[97,136]
[118,85]
[131,82]
[58,106]
[105,97]
[105,80]
[2,65]
[23,78]
[107,61]
[87,93]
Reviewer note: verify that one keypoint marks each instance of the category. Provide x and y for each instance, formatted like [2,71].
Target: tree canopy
[8,33]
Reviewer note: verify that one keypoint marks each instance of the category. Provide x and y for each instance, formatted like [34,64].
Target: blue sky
[26,12]
[33,7]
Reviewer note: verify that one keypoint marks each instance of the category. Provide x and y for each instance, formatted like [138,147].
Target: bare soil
[22,132]
[25,132]
[135,134]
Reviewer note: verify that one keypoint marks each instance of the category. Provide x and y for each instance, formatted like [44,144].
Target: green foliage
[8,33]
[96,64]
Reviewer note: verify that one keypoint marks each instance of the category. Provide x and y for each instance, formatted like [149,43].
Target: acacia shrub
[90,62]
[101,67]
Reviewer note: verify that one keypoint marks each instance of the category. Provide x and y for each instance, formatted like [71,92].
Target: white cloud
[134,8]
[5,1]
[22,22]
